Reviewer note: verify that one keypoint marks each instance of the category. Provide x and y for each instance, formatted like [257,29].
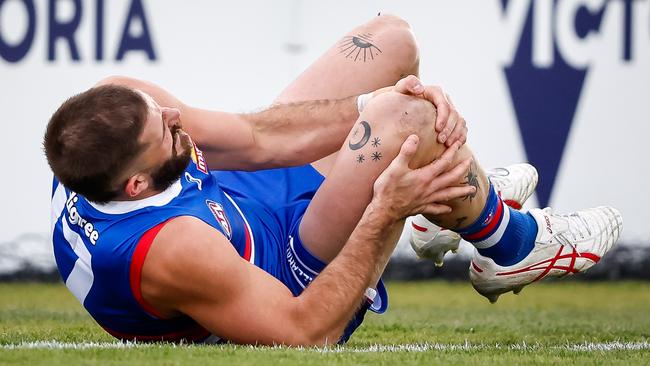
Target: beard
[172,169]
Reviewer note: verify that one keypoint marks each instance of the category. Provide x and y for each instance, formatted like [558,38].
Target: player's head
[112,142]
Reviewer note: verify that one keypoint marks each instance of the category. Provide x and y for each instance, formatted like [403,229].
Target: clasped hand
[401,191]
[449,124]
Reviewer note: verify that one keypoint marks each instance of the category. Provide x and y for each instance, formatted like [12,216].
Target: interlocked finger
[435,95]
[409,85]
[459,133]
[435,209]
[452,177]
[451,193]
[441,164]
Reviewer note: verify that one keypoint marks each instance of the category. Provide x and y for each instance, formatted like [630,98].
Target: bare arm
[286,134]
[240,302]
[282,135]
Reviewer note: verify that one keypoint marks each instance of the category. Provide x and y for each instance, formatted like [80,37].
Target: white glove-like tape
[362,100]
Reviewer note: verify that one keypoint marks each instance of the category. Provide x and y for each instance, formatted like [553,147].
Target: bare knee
[394,116]
[402,113]
[392,20]
[397,33]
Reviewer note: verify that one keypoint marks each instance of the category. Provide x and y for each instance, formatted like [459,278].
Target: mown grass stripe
[378,348]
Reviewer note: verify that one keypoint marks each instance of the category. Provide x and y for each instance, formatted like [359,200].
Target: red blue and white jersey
[100,248]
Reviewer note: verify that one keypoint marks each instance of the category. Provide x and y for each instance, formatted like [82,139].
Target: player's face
[169,147]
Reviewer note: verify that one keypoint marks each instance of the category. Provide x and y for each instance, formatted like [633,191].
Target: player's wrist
[380,213]
[362,101]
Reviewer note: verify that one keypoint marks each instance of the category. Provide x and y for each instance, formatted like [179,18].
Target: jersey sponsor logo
[199,160]
[220,215]
[551,47]
[191,179]
[75,219]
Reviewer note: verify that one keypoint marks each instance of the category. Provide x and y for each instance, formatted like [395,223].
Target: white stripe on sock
[494,238]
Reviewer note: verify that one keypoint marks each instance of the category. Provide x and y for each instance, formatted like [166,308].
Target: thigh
[371,56]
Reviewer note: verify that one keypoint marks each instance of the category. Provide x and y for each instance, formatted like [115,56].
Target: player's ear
[136,184]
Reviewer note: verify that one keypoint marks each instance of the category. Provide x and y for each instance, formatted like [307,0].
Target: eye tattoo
[356,45]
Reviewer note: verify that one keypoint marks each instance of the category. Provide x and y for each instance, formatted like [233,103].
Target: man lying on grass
[169,223]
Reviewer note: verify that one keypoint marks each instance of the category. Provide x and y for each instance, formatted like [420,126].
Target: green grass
[539,326]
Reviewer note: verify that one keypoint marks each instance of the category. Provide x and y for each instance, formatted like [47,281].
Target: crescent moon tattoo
[364,139]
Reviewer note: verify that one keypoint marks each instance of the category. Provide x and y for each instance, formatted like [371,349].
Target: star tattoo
[376,156]
[376,142]
[361,158]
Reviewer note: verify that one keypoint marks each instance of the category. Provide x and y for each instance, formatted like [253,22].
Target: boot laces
[577,228]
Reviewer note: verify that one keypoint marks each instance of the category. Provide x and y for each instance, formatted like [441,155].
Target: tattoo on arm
[359,47]
[376,156]
[355,142]
[471,180]
[360,158]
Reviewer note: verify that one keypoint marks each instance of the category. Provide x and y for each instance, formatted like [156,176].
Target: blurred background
[564,84]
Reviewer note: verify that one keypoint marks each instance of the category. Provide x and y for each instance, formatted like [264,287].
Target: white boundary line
[378,348]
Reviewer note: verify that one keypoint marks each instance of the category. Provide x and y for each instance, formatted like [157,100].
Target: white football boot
[430,241]
[565,244]
[514,184]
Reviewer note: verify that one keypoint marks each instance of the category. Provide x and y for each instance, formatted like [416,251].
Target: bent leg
[371,56]
[371,145]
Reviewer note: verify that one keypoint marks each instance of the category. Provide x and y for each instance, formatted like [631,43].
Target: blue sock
[501,233]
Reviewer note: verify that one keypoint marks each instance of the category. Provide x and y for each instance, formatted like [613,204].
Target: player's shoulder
[188,231]
[185,241]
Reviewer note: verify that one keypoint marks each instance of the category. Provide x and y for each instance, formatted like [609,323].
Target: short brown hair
[93,136]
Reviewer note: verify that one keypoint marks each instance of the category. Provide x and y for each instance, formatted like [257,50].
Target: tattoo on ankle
[460,221]
[364,139]
[471,180]
[354,46]
[376,156]
[360,158]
